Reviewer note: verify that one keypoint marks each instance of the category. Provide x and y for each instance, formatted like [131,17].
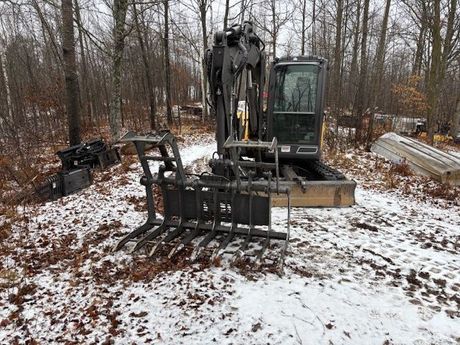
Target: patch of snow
[384,270]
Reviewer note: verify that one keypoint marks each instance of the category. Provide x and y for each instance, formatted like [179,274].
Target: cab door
[295,108]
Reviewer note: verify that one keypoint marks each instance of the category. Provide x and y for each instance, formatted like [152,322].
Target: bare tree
[203,7]
[8,116]
[337,62]
[455,126]
[167,64]
[440,52]
[378,69]
[120,8]
[353,75]
[361,94]
[301,25]
[226,13]
[86,93]
[277,15]
[147,68]
[70,72]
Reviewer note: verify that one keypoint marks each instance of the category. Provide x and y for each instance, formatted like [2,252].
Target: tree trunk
[120,7]
[167,63]
[435,71]
[274,32]
[455,125]
[353,79]
[313,28]
[448,40]
[362,76]
[70,73]
[440,53]
[337,62]
[303,32]
[6,82]
[87,108]
[378,68]
[148,71]
[227,10]
[417,67]
[204,72]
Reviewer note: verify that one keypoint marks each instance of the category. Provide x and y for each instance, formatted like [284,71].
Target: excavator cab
[295,106]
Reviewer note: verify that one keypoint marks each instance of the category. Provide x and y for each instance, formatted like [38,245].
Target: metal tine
[230,235]
[169,237]
[243,247]
[262,251]
[217,252]
[176,232]
[210,236]
[202,245]
[147,179]
[181,245]
[196,231]
[150,237]
[288,232]
[245,244]
[139,231]
[267,240]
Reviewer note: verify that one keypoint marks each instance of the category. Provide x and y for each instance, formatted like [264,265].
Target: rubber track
[325,172]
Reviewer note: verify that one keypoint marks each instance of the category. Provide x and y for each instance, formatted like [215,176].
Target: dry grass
[401,169]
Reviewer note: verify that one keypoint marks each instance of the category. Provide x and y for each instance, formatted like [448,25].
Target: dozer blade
[318,194]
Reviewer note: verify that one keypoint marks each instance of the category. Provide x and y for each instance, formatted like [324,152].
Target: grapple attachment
[92,154]
[201,209]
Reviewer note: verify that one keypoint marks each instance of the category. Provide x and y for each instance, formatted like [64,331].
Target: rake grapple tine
[139,231]
[208,238]
[225,242]
[248,238]
[211,235]
[262,251]
[243,247]
[288,233]
[185,241]
[169,237]
[202,245]
[267,240]
[149,237]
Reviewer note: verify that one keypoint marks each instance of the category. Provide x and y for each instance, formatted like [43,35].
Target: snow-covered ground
[385,271]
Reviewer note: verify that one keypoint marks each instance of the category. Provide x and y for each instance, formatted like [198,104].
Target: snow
[385,271]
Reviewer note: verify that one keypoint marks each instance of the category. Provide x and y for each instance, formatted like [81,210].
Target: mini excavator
[267,155]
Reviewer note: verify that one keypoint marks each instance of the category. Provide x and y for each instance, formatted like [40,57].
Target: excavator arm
[236,71]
